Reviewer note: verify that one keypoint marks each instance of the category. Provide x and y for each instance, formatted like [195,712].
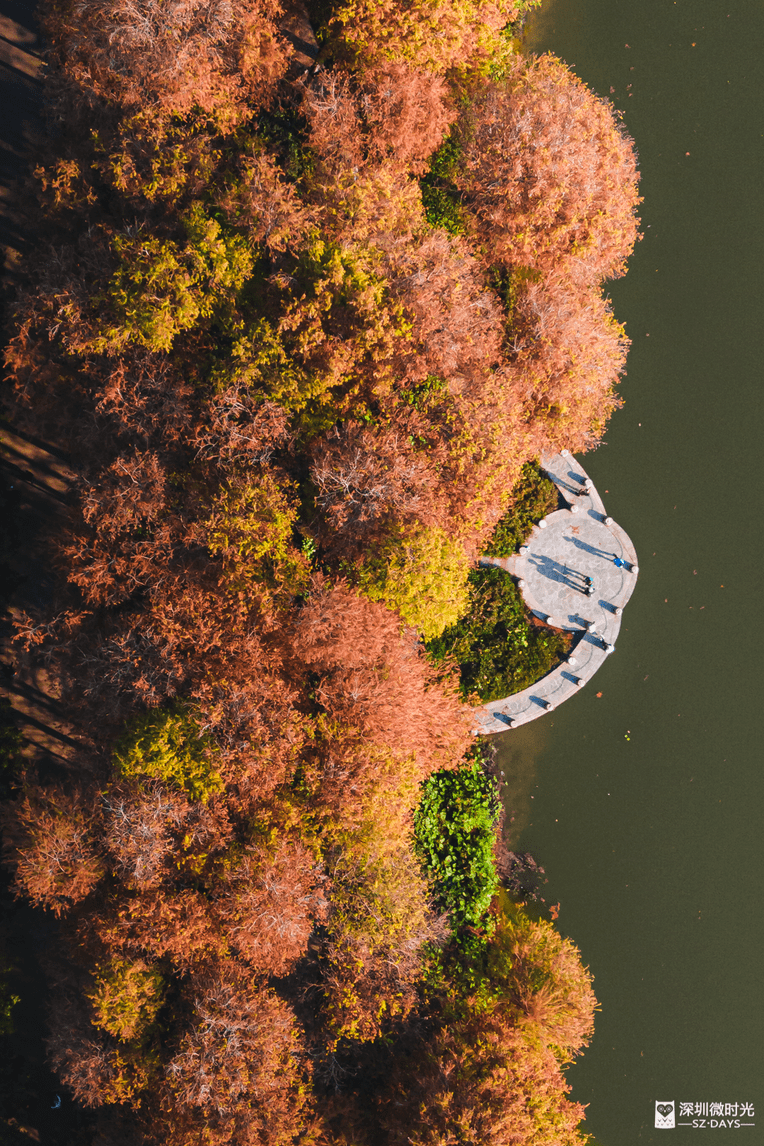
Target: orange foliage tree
[549,173]
[160,60]
[284,387]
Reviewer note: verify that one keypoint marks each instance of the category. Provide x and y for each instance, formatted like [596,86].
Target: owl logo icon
[664,1115]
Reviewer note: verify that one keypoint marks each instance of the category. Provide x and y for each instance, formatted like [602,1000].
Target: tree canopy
[299,331]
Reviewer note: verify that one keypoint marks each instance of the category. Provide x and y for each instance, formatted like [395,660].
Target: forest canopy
[310,288]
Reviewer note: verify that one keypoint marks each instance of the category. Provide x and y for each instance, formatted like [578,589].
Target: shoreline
[548,587]
[40,481]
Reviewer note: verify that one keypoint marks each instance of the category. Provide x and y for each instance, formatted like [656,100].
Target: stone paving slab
[571,550]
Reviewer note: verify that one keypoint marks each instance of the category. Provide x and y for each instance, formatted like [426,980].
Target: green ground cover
[499,648]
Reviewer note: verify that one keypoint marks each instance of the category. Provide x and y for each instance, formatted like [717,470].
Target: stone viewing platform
[576,571]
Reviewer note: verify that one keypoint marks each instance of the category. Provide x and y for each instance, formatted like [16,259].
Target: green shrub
[440,198]
[498,650]
[168,745]
[423,396]
[441,204]
[454,827]
[533,497]
[445,161]
[285,132]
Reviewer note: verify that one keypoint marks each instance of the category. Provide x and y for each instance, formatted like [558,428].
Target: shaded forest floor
[34,478]
[33,485]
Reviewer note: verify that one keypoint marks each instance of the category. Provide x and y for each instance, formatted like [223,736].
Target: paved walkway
[570,551]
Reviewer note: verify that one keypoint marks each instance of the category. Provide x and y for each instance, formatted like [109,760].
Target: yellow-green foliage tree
[127,998]
[422,574]
[433,37]
[168,745]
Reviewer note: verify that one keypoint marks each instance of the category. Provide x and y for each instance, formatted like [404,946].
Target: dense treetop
[299,329]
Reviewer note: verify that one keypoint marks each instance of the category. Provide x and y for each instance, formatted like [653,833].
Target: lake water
[645,804]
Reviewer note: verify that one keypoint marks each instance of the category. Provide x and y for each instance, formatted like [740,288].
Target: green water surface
[645,804]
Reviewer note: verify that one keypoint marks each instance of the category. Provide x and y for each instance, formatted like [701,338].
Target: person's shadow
[556,571]
[575,483]
[593,549]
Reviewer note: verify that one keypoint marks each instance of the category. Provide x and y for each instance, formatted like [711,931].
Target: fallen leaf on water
[599,694]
